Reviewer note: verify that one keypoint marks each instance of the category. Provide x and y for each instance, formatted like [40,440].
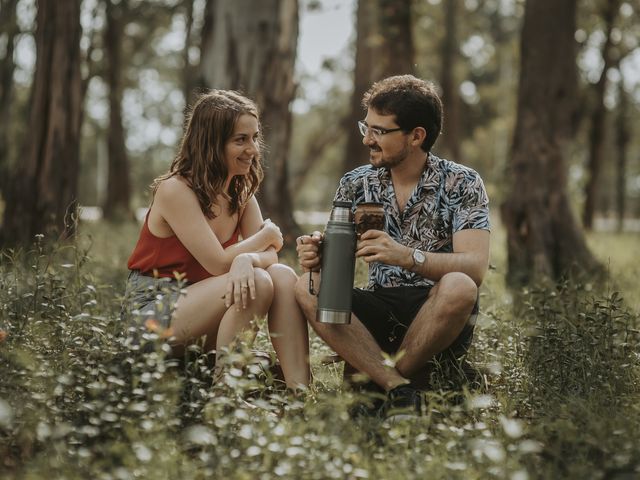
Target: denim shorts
[150,298]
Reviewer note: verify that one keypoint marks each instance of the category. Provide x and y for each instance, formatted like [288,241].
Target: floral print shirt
[448,198]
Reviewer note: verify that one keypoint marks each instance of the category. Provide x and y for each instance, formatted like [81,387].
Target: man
[426,266]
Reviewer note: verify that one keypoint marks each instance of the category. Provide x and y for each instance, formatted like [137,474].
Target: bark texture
[450,138]
[623,136]
[598,119]
[117,201]
[43,197]
[251,46]
[544,240]
[8,32]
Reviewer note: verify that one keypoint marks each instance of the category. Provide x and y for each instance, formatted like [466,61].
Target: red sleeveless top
[168,255]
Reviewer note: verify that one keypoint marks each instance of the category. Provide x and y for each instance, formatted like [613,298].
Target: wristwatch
[419,257]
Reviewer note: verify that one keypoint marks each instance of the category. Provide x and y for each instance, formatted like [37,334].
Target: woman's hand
[273,235]
[241,286]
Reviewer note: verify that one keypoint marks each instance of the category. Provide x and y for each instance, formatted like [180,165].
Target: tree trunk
[190,81]
[543,238]
[367,49]
[622,141]
[384,47]
[396,29]
[44,195]
[450,89]
[8,32]
[117,202]
[598,120]
[256,53]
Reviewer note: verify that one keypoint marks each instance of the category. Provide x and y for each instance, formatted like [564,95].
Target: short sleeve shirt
[449,197]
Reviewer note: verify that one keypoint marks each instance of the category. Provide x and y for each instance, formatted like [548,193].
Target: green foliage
[554,391]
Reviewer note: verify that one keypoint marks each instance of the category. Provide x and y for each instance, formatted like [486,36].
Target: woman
[200,209]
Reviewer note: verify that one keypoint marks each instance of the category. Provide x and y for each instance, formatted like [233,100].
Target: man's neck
[408,173]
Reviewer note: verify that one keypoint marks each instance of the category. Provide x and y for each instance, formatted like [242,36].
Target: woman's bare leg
[202,311]
[288,327]
[234,321]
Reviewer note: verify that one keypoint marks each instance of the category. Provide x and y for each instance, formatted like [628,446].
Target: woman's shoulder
[175,192]
[175,185]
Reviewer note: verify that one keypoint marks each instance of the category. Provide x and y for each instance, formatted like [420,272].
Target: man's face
[385,149]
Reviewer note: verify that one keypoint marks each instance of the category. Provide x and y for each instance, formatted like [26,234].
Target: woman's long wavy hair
[200,160]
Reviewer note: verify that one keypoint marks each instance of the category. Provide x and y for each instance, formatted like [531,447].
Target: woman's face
[242,148]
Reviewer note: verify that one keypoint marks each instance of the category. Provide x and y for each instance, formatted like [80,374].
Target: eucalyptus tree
[117,203]
[622,138]
[43,194]
[384,47]
[543,238]
[8,32]
[597,130]
[251,46]
[450,84]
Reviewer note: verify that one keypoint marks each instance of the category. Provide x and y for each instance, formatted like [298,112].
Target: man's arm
[470,254]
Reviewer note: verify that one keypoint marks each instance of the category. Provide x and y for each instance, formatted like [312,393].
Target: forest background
[541,98]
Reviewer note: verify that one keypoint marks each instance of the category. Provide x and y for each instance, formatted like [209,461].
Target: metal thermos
[338,264]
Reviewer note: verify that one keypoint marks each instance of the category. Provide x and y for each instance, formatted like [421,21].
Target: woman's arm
[241,271]
[252,224]
[178,206]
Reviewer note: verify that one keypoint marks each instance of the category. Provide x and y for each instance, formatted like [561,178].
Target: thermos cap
[341,212]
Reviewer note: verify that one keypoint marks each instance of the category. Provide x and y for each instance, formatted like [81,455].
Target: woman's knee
[282,276]
[264,285]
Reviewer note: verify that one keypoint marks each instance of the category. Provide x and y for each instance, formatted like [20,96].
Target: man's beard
[393,161]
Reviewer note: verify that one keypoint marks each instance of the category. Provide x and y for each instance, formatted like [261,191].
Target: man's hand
[308,248]
[378,246]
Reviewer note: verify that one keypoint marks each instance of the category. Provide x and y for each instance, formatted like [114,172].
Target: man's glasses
[376,132]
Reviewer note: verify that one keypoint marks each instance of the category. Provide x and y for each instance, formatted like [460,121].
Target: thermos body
[338,265]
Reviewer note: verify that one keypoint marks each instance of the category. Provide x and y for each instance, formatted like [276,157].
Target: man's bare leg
[352,342]
[438,323]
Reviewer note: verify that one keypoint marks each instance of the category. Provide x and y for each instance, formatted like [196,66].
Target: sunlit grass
[619,254]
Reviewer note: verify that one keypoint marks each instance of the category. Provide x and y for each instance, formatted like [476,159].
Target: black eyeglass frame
[375,131]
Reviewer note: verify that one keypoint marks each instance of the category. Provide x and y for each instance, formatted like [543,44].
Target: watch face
[419,257]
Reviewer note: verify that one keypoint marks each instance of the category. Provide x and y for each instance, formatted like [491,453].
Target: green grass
[557,393]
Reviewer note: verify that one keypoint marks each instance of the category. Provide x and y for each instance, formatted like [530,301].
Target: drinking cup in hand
[369,216]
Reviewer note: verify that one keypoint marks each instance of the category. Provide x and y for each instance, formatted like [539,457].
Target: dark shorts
[150,298]
[388,312]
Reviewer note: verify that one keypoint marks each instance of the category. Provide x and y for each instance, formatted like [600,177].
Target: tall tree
[256,53]
[190,79]
[384,47]
[450,141]
[543,237]
[44,194]
[364,74]
[622,141]
[396,28]
[8,32]
[117,201]
[598,117]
